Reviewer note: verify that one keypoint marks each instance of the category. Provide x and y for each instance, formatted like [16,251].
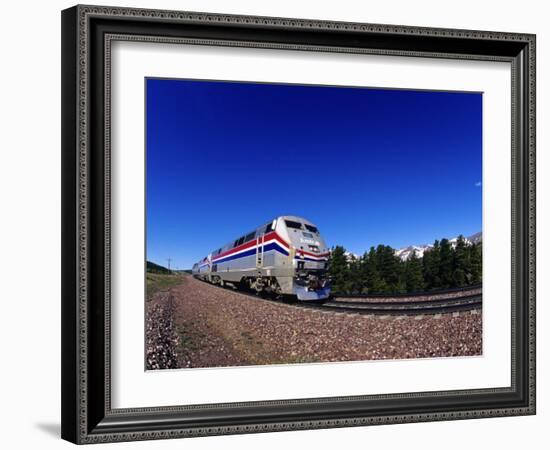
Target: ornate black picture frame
[87,33]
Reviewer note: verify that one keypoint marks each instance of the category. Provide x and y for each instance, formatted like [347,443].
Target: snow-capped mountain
[351,256]
[476,238]
[405,252]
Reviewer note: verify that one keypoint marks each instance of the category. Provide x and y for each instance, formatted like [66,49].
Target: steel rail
[422,307]
[406,308]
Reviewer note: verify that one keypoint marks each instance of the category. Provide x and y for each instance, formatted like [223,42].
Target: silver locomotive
[286,256]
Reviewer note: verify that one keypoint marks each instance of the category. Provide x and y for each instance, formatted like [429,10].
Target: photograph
[272,222]
[299,224]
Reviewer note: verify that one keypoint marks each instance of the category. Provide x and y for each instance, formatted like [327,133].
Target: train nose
[314,283]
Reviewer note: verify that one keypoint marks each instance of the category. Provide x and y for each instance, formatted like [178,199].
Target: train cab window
[249,236]
[311,228]
[292,224]
[240,241]
[269,227]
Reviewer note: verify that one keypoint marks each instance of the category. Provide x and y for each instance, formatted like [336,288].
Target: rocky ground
[212,327]
[161,338]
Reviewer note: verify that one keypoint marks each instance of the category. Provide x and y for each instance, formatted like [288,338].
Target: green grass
[159,282]
[188,341]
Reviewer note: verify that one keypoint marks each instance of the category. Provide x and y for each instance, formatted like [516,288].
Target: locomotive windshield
[292,224]
[311,228]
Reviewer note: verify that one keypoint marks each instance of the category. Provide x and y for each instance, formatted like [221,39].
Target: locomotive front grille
[311,281]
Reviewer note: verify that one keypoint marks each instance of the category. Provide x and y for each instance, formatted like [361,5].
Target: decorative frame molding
[87,34]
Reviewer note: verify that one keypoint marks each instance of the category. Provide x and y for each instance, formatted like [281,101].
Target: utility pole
[169,259]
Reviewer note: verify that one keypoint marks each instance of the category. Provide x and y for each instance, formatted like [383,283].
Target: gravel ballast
[214,327]
[161,338]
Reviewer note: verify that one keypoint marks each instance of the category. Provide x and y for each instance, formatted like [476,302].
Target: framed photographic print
[277,224]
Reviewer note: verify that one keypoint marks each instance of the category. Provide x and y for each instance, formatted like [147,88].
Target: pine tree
[414,281]
[430,266]
[372,281]
[475,264]
[380,271]
[461,265]
[363,273]
[353,282]
[390,268]
[338,269]
[446,256]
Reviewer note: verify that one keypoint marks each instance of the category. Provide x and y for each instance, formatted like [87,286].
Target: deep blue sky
[367,166]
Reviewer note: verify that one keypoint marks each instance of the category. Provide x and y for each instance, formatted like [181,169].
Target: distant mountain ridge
[156,268]
[406,252]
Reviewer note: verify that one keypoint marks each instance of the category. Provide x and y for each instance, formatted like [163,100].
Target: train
[286,256]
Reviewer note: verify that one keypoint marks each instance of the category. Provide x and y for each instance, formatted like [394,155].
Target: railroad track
[439,306]
[392,308]
[434,293]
